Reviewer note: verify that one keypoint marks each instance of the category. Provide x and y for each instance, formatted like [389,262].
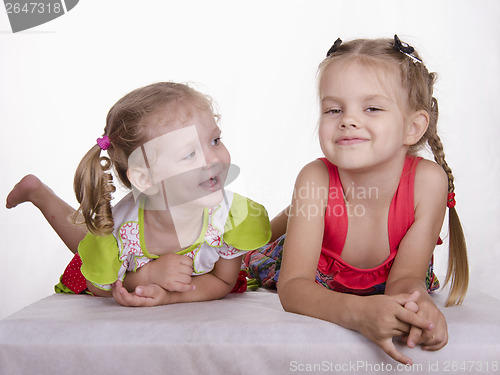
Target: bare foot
[25,191]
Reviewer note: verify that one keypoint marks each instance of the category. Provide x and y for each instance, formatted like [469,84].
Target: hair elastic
[103,142]
[405,49]
[451,200]
[335,47]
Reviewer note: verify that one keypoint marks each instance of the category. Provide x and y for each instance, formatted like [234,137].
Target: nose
[348,125]
[349,120]
[212,157]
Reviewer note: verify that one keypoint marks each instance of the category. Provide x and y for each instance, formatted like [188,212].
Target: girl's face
[362,122]
[188,163]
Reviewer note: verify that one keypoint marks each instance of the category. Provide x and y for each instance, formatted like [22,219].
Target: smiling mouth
[350,141]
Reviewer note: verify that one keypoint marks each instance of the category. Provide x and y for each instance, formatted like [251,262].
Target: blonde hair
[127,128]
[418,83]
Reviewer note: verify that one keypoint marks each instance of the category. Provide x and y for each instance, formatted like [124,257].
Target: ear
[416,127]
[141,180]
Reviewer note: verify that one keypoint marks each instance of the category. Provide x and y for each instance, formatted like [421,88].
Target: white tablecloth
[241,334]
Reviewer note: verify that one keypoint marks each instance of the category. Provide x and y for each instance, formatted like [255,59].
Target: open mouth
[213,183]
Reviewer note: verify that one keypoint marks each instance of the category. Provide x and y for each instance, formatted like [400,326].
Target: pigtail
[458,268]
[93,186]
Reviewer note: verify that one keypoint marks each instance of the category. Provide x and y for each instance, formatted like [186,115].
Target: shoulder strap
[402,209]
[336,223]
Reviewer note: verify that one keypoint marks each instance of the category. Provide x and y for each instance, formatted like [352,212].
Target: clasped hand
[400,315]
[169,273]
[433,339]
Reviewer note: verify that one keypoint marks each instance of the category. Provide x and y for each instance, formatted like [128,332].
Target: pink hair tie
[103,142]
[451,200]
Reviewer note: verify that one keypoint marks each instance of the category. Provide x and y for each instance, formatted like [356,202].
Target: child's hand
[384,317]
[412,306]
[430,340]
[151,295]
[172,272]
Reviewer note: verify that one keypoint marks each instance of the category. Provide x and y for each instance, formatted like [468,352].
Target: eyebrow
[366,98]
[217,131]
[374,97]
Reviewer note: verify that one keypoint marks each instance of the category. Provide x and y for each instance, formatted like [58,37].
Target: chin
[210,200]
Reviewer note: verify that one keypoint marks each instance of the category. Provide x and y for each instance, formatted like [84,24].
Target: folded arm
[410,266]
[213,285]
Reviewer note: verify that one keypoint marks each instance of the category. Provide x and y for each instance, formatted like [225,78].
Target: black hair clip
[406,49]
[335,47]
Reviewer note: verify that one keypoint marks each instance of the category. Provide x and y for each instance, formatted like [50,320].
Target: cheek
[162,171]
[324,133]
[225,155]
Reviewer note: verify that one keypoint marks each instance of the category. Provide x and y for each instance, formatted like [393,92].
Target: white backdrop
[258,60]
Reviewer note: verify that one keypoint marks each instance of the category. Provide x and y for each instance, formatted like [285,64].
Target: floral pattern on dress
[131,253]
[228,251]
[213,236]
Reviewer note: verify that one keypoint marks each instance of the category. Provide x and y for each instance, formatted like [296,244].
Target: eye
[216,141]
[373,109]
[333,111]
[189,156]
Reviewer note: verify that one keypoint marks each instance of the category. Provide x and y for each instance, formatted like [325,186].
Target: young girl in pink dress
[365,218]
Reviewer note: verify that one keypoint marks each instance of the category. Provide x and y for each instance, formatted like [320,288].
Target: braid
[458,269]
[437,146]
[437,150]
